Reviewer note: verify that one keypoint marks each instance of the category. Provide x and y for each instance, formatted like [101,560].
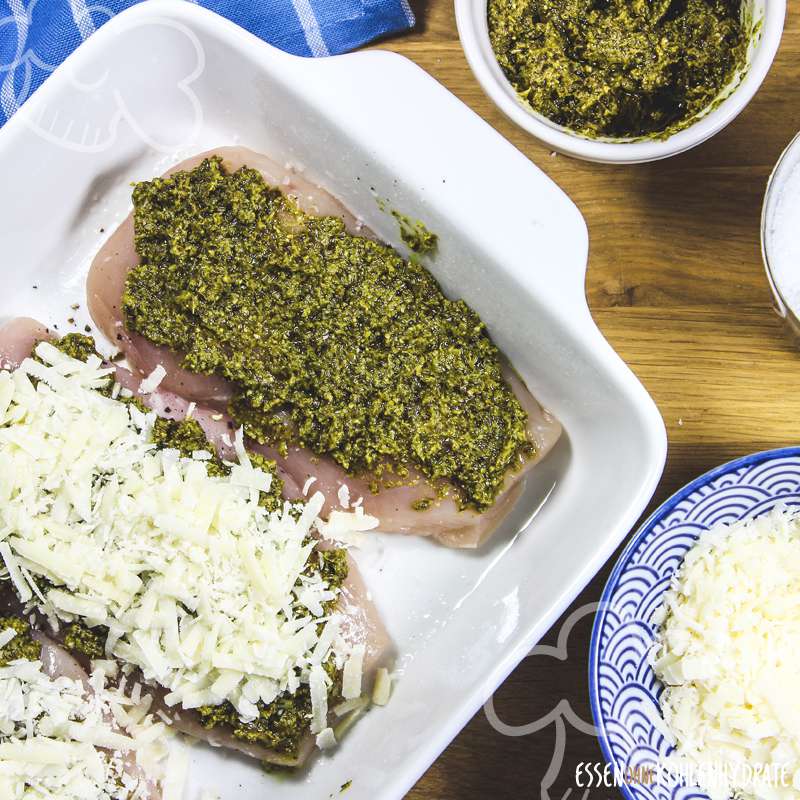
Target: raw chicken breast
[442,520]
[361,624]
[17,339]
[57,662]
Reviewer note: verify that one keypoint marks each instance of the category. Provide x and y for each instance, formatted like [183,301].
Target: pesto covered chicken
[343,361]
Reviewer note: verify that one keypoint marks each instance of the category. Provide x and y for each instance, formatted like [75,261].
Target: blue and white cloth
[37,35]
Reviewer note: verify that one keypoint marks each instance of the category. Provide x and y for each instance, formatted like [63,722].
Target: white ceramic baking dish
[166,79]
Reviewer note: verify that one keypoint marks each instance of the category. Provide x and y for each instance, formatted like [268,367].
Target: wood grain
[675,282]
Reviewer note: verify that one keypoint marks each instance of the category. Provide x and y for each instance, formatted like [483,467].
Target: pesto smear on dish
[332,341]
[416,235]
[618,68]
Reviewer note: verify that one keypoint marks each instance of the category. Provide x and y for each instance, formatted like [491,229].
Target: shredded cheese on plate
[727,654]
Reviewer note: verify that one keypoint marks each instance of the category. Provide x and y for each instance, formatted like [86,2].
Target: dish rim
[621,565]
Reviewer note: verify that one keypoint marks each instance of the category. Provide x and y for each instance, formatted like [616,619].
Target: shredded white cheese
[352,673]
[176,772]
[347,527]
[200,587]
[153,380]
[351,705]
[348,720]
[6,636]
[108,667]
[382,690]
[326,739]
[58,742]
[727,654]
[14,572]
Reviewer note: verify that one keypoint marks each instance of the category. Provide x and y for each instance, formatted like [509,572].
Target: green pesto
[333,341]
[619,68]
[187,437]
[333,566]
[273,499]
[22,646]
[84,641]
[281,725]
[78,346]
[416,235]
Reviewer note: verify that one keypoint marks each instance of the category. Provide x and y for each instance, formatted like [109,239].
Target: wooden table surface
[676,283]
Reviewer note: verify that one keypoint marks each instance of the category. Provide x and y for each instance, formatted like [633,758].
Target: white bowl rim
[787,161]
[480,56]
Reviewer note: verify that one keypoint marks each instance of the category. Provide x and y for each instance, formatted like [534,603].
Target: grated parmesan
[153,380]
[57,741]
[382,690]
[352,673]
[176,772]
[6,636]
[346,527]
[326,739]
[14,572]
[201,588]
[726,652]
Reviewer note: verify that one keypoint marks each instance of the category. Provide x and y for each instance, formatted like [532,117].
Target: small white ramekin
[473,31]
[773,225]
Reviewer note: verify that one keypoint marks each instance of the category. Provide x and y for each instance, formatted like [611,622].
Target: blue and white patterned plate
[623,688]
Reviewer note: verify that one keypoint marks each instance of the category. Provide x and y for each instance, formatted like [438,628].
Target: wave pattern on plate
[623,688]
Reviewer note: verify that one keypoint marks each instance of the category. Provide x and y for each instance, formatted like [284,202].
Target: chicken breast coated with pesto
[261,295]
[164,548]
